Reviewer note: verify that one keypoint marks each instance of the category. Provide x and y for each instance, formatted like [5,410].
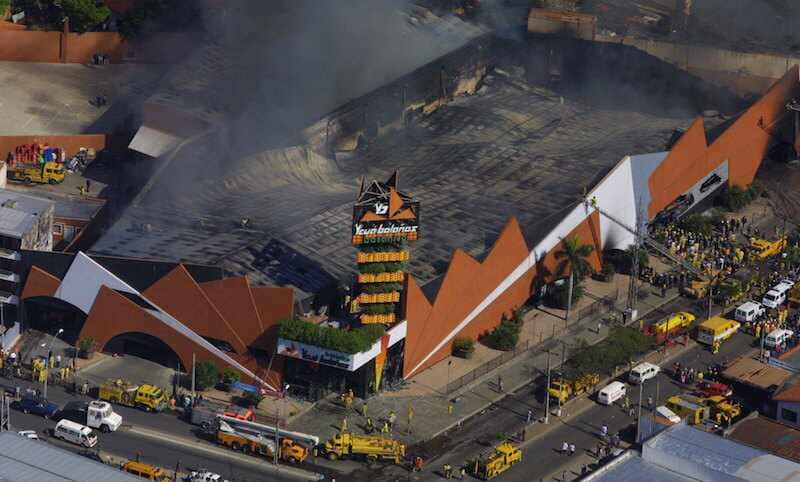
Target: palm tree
[573,255]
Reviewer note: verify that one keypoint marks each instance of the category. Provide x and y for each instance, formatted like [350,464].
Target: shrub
[373,288]
[380,267]
[505,335]
[345,341]
[206,374]
[463,347]
[86,345]
[378,308]
[252,398]
[622,345]
[605,274]
[557,296]
[231,376]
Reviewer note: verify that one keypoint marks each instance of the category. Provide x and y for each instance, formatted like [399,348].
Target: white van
[643,372]
[75,433]
[749,311]
[668,414]
[776,296]
[777,337]
[611,393]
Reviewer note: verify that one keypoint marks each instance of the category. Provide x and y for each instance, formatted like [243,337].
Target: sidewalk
[430,406]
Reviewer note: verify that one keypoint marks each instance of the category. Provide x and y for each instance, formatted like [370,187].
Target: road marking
[199,446]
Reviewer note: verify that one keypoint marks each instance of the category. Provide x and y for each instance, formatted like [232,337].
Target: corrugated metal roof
[632,468]
[153,142]
[682,453]
[24,460]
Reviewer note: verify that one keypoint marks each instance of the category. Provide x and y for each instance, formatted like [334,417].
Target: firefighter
[370,426]
[715,347]
[447,471]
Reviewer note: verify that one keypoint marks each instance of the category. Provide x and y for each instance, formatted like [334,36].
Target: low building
[682,453]
[756,382]
[34,460]
[766,434]
[26,222]
[73,222]
[787,404]
[163,311]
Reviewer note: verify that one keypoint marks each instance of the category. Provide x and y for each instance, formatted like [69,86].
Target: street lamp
[47,362]
[447,387]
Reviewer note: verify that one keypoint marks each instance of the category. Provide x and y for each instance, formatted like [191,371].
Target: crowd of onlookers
[723,248]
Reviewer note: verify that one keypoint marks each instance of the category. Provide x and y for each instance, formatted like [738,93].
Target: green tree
[231,375]
[133,21]
[85,14]
[573,256]
[206,374]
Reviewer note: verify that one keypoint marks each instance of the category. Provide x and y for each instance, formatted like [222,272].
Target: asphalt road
[127,443]
[541,457]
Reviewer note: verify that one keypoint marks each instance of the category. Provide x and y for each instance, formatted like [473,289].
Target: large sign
[382,213]
[345,361]
[703,188]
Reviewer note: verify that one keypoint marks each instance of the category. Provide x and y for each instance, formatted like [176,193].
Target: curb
[196,444]
[526,382]
[582,409]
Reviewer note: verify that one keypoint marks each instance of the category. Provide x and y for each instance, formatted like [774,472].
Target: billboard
[383,213]
[345,361]
[702,189]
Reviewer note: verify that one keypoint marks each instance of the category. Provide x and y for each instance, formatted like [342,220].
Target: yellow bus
[716,329]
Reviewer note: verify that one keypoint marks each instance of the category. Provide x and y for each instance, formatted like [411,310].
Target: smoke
[265,71]
[749,24]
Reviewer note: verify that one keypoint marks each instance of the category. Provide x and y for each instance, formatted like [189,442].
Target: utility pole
[710,297]
[547,393]
[194,360]
[633,292]
[569,295]
[49,347]
[639,417]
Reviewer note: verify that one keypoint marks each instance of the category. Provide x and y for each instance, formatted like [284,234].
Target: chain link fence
[598,307]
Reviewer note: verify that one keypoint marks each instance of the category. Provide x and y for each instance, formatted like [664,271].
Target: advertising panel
[703,188]
[345,361]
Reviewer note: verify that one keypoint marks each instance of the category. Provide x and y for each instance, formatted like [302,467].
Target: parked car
[29,434]
[35,406]
[204,476]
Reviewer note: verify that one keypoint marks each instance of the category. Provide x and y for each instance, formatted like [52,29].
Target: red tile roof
[769,435]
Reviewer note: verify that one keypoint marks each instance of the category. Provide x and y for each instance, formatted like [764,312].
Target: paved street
[541,457]
[160,450]
[124,444]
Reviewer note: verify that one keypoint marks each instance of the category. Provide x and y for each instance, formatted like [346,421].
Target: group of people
[709,252]
[35,153]
[686,375]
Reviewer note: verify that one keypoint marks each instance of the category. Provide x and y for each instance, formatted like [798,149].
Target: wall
[423,90]
[747,73]
[40,46]
[503,281]
[793,406]
[542,21]
[71,143]
[743,144]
